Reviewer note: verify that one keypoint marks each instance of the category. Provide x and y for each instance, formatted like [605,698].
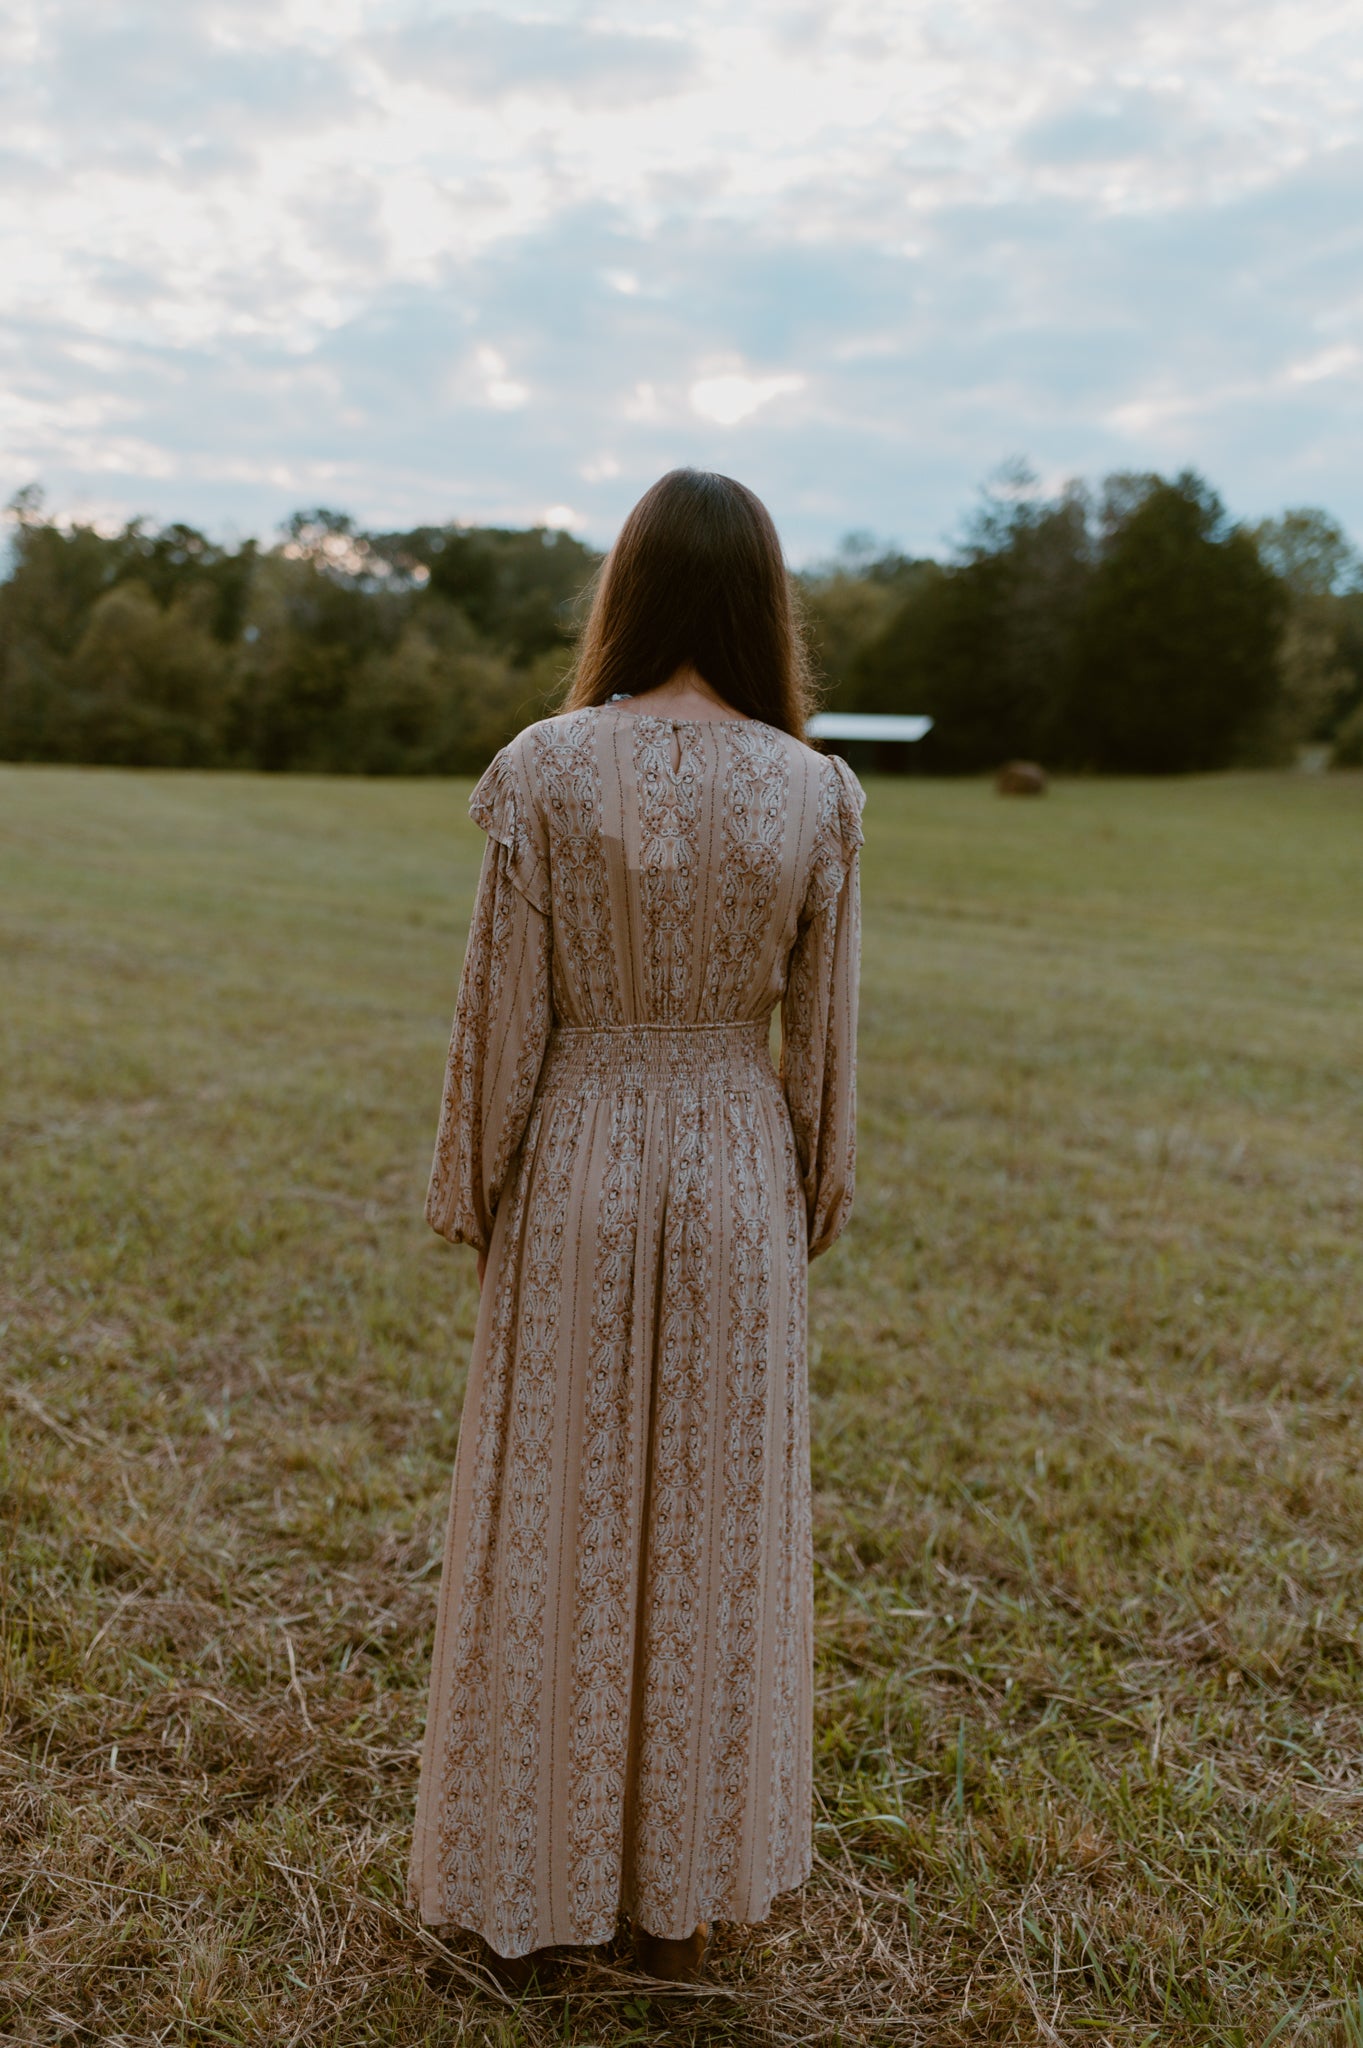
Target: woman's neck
[686,695]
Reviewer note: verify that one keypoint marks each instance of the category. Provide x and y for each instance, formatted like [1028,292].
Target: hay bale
[1021,778]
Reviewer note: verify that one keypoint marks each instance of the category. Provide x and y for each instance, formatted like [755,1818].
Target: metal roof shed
[867,725]
[861,735]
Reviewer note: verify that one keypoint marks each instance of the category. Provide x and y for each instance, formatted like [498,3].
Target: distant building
[868,739]
[867,725]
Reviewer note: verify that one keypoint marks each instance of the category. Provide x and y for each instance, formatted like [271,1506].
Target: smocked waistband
[599,1058]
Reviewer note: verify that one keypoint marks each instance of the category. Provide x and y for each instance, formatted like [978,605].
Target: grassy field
[1088,1437]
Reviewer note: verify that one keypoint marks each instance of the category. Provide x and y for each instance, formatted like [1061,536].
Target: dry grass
[1088,1446]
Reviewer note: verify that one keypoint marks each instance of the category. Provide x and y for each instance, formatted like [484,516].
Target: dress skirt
[624,1647]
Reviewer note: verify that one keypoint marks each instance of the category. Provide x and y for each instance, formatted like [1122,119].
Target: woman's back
[676,857]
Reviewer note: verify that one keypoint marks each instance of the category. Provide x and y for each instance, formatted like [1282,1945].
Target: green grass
[1088,1452]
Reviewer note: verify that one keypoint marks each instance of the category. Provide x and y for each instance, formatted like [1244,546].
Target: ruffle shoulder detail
[851,802]
[503,806]
[841,802]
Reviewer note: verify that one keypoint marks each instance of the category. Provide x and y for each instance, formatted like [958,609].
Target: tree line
[1130,628]
[332,652]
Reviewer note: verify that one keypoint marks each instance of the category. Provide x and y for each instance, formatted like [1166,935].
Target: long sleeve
[502,1018]
[819,1014]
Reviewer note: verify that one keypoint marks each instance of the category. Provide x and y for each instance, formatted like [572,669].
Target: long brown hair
[697,578]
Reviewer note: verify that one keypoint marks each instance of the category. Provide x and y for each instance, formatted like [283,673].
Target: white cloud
[732,396]
[1327,362]
[643,403]
[478,55]
[502,391]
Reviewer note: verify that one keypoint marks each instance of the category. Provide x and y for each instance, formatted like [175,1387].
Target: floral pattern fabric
[621,1700]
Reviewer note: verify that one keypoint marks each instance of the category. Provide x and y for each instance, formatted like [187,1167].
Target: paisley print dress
[620,1715]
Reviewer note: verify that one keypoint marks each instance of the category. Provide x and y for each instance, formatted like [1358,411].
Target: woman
[620,1715]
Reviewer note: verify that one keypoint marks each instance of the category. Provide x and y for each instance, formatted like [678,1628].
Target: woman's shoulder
[838,835]
[523,761]
[543,735]
[848,792]
[840,793]
[849,801]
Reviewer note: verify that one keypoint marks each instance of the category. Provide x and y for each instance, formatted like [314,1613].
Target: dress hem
[443,1927]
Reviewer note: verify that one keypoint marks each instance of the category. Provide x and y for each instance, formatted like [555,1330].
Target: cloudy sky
[508,262]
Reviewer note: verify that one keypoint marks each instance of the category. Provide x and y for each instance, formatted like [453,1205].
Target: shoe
[673,1962]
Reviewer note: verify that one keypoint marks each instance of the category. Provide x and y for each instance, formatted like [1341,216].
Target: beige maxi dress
[621,1701]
